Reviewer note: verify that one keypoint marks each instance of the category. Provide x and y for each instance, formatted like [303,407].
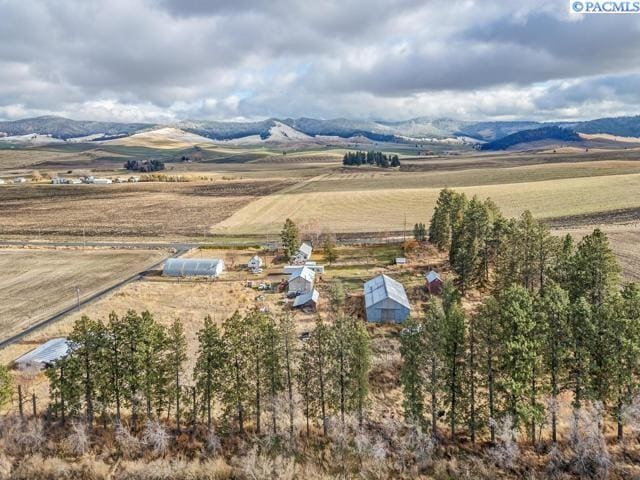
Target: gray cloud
[221,59]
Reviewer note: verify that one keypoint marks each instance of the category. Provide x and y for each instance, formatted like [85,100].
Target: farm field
[37,283]
[385,209]
[125,210]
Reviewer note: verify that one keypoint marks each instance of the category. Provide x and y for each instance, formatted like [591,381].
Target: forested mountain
[303,128]
[526,136]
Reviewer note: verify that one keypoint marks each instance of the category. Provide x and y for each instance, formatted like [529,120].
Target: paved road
[92,298]
[144,245]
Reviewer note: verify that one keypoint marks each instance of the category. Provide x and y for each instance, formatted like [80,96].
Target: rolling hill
[303,130]
[533,135]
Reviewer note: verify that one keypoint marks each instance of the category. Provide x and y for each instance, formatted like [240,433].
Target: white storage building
[193,267]
[301,280]
[385,300]
[45,354]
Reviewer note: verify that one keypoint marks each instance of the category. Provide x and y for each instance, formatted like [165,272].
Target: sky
[170,60]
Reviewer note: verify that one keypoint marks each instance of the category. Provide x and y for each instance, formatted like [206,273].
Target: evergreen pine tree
[553,308]
[452,353]
[412,351]
[87,341]
[290,238]
[208,371]
[176,356]
[238,372]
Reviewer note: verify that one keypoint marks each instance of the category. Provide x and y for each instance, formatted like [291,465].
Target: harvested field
[364,178]
[37,283]
[112,211]
[624,240]
[385,209]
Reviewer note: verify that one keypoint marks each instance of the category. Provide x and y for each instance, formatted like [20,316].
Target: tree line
[554,322]
[249,369]
[378,159]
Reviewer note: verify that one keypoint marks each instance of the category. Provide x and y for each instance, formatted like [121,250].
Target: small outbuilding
[193,267]
[254,263]
[385,300]
[303,254]
[307,300]
[45,354]
[434,282]
[401,261]
[301,280]
[288,269]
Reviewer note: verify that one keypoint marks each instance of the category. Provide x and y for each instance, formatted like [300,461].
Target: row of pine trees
[378,159]
[244,372]
[554,324]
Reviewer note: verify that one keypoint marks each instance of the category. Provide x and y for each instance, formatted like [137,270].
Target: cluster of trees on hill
[378,159]
[133,364]
[144,165]
[544,133]
[555,322]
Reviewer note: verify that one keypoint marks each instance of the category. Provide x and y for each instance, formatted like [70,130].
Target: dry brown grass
[113,211]
[385,209]
[39,282]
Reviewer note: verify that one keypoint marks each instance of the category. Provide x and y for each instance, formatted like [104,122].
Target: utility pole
[78,297]
[404,231]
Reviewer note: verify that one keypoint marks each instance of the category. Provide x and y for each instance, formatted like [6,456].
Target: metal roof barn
[301,280]
[306,299]
[45,354]
[386,300]
[434,283]
[306,250]
[193,267]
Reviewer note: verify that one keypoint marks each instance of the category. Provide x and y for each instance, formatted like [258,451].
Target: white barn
[301,280]
[193,267]
[303,254]
[45,354]
[386,300]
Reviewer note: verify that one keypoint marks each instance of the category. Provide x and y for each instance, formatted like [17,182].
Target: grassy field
[125,210]
[237,190]
[385,209]
[37,283]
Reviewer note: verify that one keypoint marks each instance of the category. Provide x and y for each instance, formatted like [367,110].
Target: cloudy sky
[163,60]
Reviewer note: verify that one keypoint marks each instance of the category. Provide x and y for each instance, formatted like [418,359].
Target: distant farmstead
[386,300]
[193,267]
[45,354]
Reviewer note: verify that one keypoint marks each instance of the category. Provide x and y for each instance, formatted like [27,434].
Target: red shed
[434,283]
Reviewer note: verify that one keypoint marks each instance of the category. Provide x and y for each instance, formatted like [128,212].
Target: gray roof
[306,249]
[306,297]
[304,272]
[382,287]
[48,352]
[180,267]
[433,275]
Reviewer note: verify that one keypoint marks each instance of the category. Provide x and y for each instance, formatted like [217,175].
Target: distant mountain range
[493,135]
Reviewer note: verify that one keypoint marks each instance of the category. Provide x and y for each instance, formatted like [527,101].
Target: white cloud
[160,60]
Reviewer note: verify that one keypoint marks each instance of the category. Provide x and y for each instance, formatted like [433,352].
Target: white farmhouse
[254,263]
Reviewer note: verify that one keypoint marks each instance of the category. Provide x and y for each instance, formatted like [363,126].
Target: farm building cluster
[384,298]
